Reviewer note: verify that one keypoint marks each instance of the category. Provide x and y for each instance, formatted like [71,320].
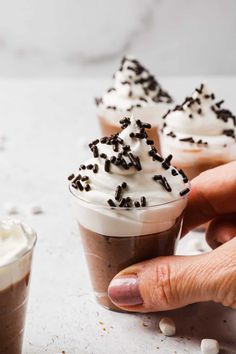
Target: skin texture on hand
[166,283]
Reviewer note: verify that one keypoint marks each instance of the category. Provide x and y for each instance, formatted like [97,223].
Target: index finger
[213,193]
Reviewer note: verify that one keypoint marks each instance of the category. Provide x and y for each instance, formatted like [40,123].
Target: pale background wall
[87,37]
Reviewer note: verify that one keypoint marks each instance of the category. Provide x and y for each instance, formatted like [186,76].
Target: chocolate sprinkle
[103,140]
[124,164]
[95,168]
[165,115]
[135,161]
[171,134]
[111,89]
[111,203]
[122,203]
[185,178]
[113,159]
[157,177]
[146,125]
[116,147]
[184,191]
[95,142]
[163,182]
[77,178]
[218,104]
[87,187]
[71,177]
[157,157]
[118,193]
[124,185]
[152,153]
[166,185]
[143,201]
[165,165]
[188,140]
[107,165]
[128,202]
[79,185]
[168,159]
[150,142]
[95,151]
[229,132]
[174,172]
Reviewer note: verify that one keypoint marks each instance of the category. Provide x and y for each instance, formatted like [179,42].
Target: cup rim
[72,191]
[27,230]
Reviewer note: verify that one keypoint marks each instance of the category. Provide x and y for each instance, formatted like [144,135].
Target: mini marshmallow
[36,209]
[210,346]
[167,326]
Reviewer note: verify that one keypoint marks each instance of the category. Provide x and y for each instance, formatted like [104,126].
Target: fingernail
[124,291]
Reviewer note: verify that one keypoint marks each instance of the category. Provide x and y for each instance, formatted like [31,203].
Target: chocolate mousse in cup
[128,203]
[16,247]
[200,133]
[134,91]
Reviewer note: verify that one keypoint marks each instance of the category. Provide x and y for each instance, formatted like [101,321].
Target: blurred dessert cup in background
[134,91]
[200,133]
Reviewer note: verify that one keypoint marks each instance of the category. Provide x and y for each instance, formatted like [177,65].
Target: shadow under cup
[115,238]
[14,288]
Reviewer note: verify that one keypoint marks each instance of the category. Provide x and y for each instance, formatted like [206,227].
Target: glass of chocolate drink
[200,133]
[17,242]
[134,91]
[128,203]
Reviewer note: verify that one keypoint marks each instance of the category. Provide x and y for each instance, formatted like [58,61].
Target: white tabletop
[47,124]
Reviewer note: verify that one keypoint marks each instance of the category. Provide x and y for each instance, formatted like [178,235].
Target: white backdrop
[87,37]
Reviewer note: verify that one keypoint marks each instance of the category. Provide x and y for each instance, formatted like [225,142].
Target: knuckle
[230,299]
[227,292]
[159,288]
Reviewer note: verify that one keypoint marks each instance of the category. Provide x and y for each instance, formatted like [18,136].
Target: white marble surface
[78,37]
[46,123]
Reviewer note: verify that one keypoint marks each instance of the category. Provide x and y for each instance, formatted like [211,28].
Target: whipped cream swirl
[134,90]
[200,122]
[126,172]
[16,240]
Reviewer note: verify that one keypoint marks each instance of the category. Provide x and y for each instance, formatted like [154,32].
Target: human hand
[165,283]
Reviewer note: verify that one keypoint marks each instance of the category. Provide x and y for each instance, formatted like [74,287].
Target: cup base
[108,255]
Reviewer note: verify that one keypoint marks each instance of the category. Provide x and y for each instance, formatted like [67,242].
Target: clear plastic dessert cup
[14,289]
[194,160]
[115,238]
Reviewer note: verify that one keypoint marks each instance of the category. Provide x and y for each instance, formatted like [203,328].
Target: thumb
[166,283]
